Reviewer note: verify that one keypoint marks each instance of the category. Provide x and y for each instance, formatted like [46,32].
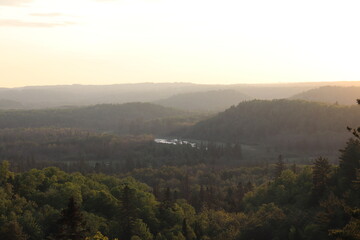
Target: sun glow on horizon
[104,42]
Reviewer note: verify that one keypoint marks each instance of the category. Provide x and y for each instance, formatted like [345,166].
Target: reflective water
[174,141]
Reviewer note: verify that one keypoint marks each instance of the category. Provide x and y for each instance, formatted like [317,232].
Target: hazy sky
[46,42]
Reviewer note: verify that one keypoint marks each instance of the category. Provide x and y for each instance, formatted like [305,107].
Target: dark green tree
[279,166]
[321,173]
[349,163]
[12,231]
[72,225]
[127,213]
[355,131]
[187,231]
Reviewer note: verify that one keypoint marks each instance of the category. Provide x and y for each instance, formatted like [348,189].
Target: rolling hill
[129,118]
[293,124]
[217,100]
[37,97]
[331,94]
[10,104]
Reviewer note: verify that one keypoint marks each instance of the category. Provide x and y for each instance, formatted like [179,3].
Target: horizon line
[189,83]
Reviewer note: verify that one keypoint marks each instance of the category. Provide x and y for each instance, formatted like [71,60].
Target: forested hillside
[85,183]
[130,118]
[286,124]
[205,101]
[331,94]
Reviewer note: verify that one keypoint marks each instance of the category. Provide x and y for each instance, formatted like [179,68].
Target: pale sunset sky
[48,42]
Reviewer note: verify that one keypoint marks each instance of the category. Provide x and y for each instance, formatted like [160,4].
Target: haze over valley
[179,120]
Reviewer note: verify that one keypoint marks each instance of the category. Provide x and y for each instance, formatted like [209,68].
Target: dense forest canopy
[310,202]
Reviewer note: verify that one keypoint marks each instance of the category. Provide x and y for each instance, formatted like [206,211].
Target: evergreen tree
[5,173]
[186,187]
[321,172]
[349,163]
[187,232]
[294,168]
[230,199]
[240,193]
[72,225]
[249,187]
[127,213]
[355,131]
[279,167]
[12,231]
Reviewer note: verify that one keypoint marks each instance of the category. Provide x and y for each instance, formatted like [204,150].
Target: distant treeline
[88,152]
[130,118]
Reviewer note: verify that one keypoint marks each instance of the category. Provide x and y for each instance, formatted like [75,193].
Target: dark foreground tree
[355,131]
[127,213]
[71,225]
[321,173]
[349,163]
[12,231]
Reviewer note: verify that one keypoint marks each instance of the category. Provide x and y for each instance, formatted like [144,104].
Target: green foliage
[71,224]
[266,223]
[349,163]
[12,231]
[321,175]
[97,236]
[5,174]
[141,230]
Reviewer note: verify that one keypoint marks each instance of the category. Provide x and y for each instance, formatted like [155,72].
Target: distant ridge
[128,118]
[217,100]
[10,104]
[331,94]
[36,97]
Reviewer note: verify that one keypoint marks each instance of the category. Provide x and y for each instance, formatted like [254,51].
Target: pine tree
[355,131]
[349,163]
[249,187]
[185,228]
[72,225]
[230,199]
[186,187]
[187,232]
[5,174]
[279,167]
[168,198]
[127,213]
[12,231]
[294,168]
[321,172]
[240,193]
